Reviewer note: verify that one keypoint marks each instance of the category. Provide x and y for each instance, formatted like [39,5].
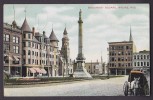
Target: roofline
[120,42]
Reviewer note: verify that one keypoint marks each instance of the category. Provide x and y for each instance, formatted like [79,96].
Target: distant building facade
[120,56]
[141,59]
[12,47]
[93,67]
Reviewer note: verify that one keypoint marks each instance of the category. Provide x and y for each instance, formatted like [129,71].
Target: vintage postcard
[76,50]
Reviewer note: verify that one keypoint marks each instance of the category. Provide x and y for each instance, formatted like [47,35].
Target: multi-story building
[93,67]
[40,53]
[30,53]
[12,47]
[141,60]
[120,56]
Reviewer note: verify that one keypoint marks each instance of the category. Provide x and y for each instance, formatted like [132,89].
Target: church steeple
[65,50]
[65,31]
[130,39]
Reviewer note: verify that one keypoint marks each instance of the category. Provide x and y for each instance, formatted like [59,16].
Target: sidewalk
[41,84]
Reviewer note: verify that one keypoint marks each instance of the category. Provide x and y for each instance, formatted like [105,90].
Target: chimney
[33,31]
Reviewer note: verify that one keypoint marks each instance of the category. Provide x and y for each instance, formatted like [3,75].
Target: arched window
[147,56]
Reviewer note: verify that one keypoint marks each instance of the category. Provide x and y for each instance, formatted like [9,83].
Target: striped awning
[16,58]
[32,70]
[9,58]
[43,71]
[38,70]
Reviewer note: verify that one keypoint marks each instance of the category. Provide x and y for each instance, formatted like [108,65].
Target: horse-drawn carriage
[137,84]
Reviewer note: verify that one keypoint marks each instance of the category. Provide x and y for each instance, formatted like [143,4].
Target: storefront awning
[43,71]
[38,70]
[16,58]
[32,70]
[8,58]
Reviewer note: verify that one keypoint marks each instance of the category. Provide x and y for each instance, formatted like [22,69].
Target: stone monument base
[81,72]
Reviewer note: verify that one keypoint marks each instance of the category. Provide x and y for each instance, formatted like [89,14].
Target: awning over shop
[8,58]
[38,70]
[16,58]
[43,71]
[32,70]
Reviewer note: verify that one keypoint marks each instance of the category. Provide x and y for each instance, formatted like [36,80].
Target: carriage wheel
[125,88]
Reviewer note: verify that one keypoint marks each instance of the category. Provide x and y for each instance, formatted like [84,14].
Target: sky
[102,23]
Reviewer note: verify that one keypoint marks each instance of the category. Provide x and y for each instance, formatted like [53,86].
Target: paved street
[109,87]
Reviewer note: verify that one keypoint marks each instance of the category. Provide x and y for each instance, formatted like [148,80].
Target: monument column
[80,70]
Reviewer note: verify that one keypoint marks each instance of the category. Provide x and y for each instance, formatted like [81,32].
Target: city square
[85,49]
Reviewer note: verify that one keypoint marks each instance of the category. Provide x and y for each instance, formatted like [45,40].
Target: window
[15,49]
[40,54]
[119,59]
[32,44]
[138,63]
[6,37]
[29,61]
[6,47]
[137,56]
[144,63]
[134,56]
[29,52]
[24,44]
[13,39]
[141,57]
[141,63]
[32,52]
[144,56]
[129,64]
[33,61]
[134,63]
[24,52]
[29,36]
[147,56]
[29,44]
[147,63]
[24,35]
